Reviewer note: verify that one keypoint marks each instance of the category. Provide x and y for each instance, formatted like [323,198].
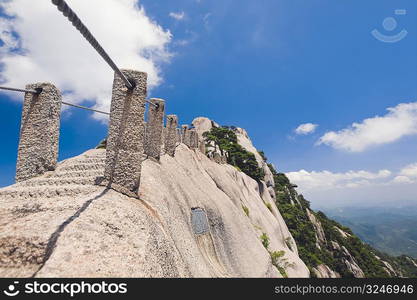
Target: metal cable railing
[39,90]
[77,23]
[87,108]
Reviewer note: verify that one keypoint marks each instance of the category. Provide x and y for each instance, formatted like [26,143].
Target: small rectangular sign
[199,221]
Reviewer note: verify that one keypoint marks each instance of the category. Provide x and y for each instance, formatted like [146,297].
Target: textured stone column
[202,146]
[39,132]
[185,135]
[196,139]
[179,137]
[154,128]
[171,135]
[193,139]
[126,134]
[163,135]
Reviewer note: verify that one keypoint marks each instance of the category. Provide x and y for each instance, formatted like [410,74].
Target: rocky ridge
[61,224]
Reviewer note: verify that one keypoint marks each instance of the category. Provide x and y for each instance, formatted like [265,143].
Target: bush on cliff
[225,140]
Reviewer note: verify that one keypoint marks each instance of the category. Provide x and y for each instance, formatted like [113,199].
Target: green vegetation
[276,256]
[225,140]
[246,210]
[265,240]
[293,208]
[362,252]
[262,154]
[390,230]
[298,222]
[279,262]
[289,243]
[335,249]
[269,206]
[402,262]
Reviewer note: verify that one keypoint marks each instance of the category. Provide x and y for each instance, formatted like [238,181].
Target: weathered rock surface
[203,124]
[61,224]
[412,261]
[351,264]
[342,232]
[323,271]
[319,232]
[245,142]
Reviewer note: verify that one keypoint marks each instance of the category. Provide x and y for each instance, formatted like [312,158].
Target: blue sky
[269,66]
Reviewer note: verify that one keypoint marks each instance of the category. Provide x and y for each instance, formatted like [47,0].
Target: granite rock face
[245,142]
[61,224]
[318,229]
[39,132]
[352,264]
[323,271]
[203,124]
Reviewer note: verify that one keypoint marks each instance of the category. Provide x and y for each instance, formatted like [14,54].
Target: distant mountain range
[388,229]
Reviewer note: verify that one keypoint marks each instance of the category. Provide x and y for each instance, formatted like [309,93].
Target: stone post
[39,132]
[196,139]
[154,128]
[163,135]
[185,135]
[126,134]
[193,139]
[202,146]
[178,139]
[171,135]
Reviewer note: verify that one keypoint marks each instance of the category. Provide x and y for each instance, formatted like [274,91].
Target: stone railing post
[178,139]
[126,134]
[154,128]
[171,135]
[185,133]
[193,139]
[202,146]
[39,132]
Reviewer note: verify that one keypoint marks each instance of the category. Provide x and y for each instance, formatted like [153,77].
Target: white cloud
[402,179]
[407,175]
[306,128]
[360,188]
[400,121]
[409,171]
[50,49]
[177,15]
[329,180]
